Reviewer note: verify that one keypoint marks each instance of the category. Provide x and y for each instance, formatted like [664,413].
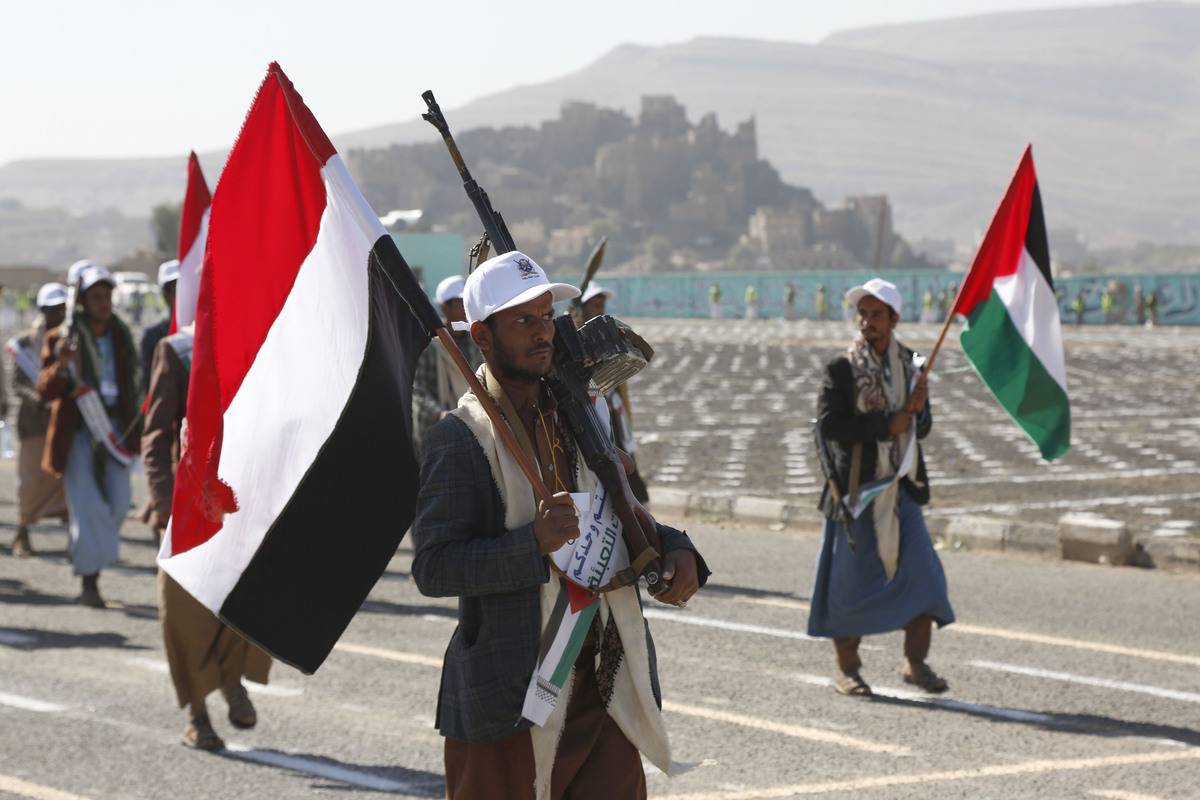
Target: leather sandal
[241,710]
[852,684]
[921,676]
[200,735]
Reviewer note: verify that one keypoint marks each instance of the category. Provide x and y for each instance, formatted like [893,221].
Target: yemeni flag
[1013,336]
[193,234]
[298,478]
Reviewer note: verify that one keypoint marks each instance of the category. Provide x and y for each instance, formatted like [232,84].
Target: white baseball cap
[595,290]
[51,295]
[880,289]
[168,271]
[450,289]
[78,267]
[505,281]
[94,274]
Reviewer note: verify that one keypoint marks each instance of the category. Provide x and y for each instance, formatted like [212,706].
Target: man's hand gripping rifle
[604,350]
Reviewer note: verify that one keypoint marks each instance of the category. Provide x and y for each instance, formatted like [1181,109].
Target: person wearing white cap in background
[168,279]
[99,356]
[594,303]
[480,536]
[39,494]
[877,572]
[437,382]
[76,269]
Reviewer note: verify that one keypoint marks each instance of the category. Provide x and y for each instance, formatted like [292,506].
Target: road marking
[797,731]
[1117,794]
[390,655]
[1103,683]
[684,618]
[15,639]
[1078,644]
[998,771]
[1018,636]
[33,790]
[157,665]
[29,703]
[321,769]
[1013,714]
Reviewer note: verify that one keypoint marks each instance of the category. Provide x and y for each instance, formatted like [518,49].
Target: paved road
[1068,681]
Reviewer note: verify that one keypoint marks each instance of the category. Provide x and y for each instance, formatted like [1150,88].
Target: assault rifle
[577,358]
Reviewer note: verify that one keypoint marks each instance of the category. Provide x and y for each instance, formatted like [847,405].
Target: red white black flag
[193,235]
[297,478]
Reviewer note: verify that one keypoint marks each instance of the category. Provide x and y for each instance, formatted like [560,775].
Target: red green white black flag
[1013,336]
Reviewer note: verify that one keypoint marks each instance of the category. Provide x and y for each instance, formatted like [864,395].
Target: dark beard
[506,365]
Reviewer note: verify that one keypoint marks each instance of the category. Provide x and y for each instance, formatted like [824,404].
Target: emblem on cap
[526,268]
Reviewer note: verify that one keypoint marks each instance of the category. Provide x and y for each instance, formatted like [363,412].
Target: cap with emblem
[450,289]
[504,282]
[94,274]
[168,271]
[51,295]
[880,289]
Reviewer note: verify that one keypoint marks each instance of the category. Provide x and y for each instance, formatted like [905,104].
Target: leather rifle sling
[855,474]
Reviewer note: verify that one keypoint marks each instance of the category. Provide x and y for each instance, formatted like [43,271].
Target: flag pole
[937,347]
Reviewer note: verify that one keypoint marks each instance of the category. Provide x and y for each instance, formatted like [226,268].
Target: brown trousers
[918,636]
[594,761]
[39,494]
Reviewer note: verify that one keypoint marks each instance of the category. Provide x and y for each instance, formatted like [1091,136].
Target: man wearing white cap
[39,494]
[97,363]
[168,279]
[877,571]
[479,535]
[437,382]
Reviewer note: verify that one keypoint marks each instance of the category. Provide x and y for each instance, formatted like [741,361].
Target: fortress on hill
[670,194]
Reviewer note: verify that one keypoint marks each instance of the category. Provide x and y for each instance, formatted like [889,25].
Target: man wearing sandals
[877,571]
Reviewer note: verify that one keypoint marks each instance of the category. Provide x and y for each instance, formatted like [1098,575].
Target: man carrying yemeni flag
[575,729]
[877,571]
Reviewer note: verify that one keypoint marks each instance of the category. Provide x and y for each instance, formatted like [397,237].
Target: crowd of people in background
[93,395]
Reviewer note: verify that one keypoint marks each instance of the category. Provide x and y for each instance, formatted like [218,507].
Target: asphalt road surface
[1067,681]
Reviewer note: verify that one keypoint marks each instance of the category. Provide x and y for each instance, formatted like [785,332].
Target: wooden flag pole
[937,347]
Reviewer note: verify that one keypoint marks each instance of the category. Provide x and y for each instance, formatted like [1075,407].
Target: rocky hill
[933,114]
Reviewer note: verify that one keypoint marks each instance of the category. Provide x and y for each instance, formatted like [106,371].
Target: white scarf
[632,705]
[873,393]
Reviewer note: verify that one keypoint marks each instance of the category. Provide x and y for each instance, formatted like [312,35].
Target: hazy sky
[131,78]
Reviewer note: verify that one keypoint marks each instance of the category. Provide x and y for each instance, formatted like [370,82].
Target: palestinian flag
[1013,336]
[298,477]
[193,234]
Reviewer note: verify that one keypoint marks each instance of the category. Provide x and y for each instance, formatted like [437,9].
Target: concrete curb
[1075,537]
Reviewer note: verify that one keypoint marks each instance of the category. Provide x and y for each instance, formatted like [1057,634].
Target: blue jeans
[96,516]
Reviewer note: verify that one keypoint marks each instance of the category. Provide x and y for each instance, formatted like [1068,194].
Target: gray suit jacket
[463,550]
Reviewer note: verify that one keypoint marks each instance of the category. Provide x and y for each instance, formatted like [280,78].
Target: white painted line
[1018,636]
[320,769]
[29,703]
[391,655]
[685,618]
[157,665]
[998,712]
[33,790]
[786,729]
[998,771]
[1117,794]
[1084,680]
[16,639]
